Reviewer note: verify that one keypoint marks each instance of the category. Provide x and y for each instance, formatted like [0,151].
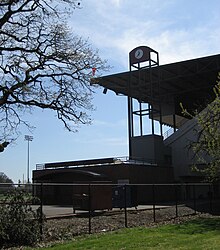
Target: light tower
[28,138]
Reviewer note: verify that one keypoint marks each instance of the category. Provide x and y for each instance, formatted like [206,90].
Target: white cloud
[116,27]
[118,124]
[173,46]
[116,3]
[101,140]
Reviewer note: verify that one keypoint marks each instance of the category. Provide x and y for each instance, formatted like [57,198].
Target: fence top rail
[102,184]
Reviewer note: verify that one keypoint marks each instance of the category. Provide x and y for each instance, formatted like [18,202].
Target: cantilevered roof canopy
[190,82]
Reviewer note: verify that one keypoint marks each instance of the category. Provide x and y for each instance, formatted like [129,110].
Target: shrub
[19,223]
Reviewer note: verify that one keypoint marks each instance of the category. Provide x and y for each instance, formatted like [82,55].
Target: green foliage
[207,145]
[19,224]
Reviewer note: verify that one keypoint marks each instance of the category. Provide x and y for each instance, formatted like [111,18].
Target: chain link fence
[87,208]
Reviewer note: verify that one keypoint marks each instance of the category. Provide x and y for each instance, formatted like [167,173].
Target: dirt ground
[67,228]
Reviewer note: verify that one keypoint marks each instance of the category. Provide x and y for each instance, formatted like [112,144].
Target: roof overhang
[190,82]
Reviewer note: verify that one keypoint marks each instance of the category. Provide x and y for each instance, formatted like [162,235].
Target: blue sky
[177,29]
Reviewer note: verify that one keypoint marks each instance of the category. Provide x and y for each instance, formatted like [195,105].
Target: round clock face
[138,53]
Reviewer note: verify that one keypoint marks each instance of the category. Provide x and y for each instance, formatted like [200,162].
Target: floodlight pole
[28,138]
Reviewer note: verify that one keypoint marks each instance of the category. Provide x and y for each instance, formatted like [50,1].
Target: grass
[196,234]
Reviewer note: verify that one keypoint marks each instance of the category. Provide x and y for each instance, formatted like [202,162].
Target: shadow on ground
[201,225]
[212,207]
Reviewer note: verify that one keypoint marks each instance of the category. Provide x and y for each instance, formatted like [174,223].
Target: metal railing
[115,160]
[168,133]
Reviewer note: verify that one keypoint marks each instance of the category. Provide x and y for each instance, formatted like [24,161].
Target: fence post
[154,207]
[125,205]
[210,199]
[176,199]
[41,210]
[89,193]
[194,198]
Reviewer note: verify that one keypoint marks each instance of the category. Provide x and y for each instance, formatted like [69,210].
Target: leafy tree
[43,64]
[7,183]
[19,223]
[207,146]
[4,178]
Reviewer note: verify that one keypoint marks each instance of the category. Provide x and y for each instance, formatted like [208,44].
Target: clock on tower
[139,54]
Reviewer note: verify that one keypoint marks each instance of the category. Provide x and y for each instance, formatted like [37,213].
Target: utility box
[124,195]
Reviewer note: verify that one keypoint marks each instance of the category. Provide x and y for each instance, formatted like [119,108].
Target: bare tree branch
[42,64]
